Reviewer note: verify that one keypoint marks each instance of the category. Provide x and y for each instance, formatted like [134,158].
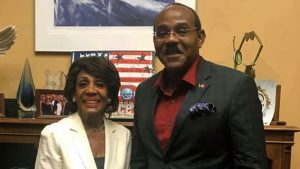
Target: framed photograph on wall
[2,105]
[124,30]
[51,104]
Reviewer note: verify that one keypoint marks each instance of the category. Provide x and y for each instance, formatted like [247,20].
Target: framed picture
[2,105]
[54,33]
[51,104]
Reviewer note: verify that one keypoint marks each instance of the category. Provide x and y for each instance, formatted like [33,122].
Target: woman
[86,138]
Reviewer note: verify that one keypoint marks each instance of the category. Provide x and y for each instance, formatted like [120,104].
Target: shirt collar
[190,76]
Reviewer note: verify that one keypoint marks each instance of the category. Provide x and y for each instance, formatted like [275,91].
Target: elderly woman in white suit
[87,139]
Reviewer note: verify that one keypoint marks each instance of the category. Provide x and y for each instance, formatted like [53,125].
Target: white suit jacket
[64,144]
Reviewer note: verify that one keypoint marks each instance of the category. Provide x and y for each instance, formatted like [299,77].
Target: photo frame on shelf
[2,105]
[277,103]
[74,38]
[51,104]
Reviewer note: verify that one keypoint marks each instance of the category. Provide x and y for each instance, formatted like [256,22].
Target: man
[194,114]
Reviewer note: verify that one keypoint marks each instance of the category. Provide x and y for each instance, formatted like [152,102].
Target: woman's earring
[108,101]
[108,109]
[74,99]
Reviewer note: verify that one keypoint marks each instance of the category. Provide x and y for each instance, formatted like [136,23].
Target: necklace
[94,129]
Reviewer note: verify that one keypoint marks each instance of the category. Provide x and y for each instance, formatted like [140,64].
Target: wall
[21,14]
[273,20]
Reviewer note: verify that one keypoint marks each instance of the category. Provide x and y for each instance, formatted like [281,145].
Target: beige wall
[21,14]
[275,21]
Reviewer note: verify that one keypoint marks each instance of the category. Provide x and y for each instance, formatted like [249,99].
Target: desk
[27,130]
[13,130]
[279,139]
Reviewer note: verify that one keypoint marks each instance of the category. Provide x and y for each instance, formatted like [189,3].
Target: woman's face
[91,95]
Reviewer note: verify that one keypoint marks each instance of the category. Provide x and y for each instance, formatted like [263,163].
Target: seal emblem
[127,94]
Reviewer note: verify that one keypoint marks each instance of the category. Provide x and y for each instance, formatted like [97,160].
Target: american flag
[134,67]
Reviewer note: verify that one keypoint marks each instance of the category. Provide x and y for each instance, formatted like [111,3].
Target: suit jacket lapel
[148,112]
[111,143]
[150,122]
[81,143]
[193,96]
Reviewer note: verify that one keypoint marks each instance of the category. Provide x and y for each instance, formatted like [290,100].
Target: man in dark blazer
[195,114]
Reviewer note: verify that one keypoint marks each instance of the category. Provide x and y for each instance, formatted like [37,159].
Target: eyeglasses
[180,31]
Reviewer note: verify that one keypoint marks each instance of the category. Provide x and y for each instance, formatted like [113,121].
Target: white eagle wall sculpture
[7,37]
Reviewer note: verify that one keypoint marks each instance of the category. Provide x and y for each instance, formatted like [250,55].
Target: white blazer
[64,144]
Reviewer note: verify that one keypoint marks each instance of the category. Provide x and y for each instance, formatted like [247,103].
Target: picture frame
[2,105]
[51,104]
[87,38]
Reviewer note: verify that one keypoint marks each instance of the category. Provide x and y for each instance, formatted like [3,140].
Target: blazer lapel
[148,113]
[111,144]
[150,123]
[193,96]
[81,143]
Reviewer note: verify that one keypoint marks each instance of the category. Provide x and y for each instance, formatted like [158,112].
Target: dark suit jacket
[232,137]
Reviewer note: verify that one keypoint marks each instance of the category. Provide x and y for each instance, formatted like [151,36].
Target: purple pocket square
[202,109]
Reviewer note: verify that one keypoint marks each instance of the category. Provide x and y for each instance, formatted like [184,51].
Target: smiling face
[177,51]
[91,95]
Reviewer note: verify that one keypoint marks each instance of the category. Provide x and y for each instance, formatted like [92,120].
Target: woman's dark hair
[98,67]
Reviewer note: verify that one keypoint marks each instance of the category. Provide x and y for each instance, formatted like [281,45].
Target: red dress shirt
[170,102]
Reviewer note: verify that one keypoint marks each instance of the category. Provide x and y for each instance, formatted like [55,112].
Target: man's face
[177,41]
